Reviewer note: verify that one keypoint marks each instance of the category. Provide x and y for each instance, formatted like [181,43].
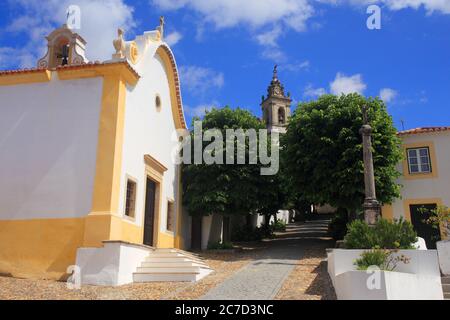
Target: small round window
[158,103]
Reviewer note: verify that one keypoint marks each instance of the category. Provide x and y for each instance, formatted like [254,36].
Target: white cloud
[387,94]
[347,84]
[200,110]
[311,92]
[269,40]
[173,38]
[256,13]
[442,6]
[11,57]
[270,37]
[199,80]
[99,22]
[295,67]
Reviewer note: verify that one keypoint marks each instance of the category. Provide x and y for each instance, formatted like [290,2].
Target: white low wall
[443,248]
[353,285]
[111,265]
[421,273]
[282,215]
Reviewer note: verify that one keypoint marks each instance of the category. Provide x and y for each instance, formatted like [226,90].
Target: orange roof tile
[423,130]
[74,66]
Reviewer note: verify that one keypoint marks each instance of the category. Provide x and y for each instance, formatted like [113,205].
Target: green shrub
[383,259]
[397,234]
[338,225]
[279,226]
[220,246]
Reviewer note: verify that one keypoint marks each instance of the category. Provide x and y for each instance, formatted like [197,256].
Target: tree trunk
[226,229]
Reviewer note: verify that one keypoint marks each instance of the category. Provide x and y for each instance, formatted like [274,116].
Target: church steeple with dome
[276,106]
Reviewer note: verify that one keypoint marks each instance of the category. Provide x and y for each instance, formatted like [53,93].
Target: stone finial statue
[119,45]
[161,26]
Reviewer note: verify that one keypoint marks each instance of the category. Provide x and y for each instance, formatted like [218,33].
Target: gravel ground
[224,264]
[307,277]
[309,280]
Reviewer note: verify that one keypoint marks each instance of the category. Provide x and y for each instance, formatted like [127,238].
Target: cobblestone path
[262,278]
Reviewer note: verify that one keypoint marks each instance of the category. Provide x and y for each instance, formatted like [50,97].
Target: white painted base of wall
[419,279]
[111,265]
[443,248]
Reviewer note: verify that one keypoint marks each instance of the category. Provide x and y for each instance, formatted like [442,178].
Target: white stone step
[185,263]
[174,254]
[166,277]
[171,265]
[185,253]
[168,269]
[167,259]
[445,280]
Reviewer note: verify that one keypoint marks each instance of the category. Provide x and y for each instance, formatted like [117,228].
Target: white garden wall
[421,272]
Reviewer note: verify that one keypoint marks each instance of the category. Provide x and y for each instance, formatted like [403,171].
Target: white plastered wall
[48,146]
[149,131]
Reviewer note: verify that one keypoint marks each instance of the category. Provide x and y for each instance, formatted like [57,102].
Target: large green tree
[226,189]
[322,151]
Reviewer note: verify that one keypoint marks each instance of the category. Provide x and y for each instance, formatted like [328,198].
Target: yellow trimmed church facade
[86,155]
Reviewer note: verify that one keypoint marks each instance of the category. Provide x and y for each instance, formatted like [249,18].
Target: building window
[419,160]
[170,216]
[281,116]
[130,204]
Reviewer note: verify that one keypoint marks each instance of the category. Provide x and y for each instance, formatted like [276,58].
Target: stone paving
[263,278]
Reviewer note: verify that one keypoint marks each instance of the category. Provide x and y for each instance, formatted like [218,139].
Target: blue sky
[226,49]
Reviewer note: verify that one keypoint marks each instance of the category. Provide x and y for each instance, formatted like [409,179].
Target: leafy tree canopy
[322,151]
[221,188]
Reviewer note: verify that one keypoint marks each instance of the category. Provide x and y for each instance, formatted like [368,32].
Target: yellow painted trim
[387,212]
[155,164]
[434,167]
[408,202]
[154,170]
[17,78]
[175,96]
[165,240]
[113,70]
[134,52]
[39,248]
[179,239]
[105,201]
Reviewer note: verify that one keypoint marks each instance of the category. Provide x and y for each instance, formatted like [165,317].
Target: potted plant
[363,269]
[440,219]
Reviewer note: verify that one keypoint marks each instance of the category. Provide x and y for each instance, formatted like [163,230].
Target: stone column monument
[371,205]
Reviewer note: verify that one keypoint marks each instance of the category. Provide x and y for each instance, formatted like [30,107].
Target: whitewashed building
[425,178]
[87,175]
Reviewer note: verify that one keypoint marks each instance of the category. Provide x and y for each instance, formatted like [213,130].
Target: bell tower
[65,47]
[276,106]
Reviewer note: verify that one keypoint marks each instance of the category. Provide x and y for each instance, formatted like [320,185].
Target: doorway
[419,214]
[149,220]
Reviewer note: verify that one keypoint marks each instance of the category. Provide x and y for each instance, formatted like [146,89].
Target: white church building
[87,176]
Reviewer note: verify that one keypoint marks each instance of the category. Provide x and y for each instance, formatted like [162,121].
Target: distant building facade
[425,178]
